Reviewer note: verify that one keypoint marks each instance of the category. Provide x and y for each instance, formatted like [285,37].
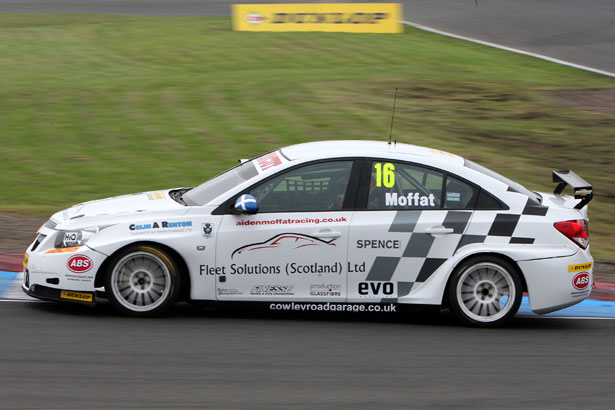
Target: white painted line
[514,50]
[24,300]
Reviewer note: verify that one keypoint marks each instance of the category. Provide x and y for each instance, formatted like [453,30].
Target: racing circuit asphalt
[577,31]
[54,356]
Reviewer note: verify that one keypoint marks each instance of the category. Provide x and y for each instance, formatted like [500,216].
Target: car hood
[125,204]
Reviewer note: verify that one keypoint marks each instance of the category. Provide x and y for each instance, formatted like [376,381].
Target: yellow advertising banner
[344,17]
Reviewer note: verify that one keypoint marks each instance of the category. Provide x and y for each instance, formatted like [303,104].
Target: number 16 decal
[385,174]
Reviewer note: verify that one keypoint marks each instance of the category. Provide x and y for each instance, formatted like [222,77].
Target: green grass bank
[93,106]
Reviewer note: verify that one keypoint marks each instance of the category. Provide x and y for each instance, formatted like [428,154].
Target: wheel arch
[477,255]
[177,258]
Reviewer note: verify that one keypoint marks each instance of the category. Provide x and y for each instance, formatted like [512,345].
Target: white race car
[334,226]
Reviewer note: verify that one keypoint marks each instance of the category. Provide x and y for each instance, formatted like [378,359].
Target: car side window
[459,194]
[398,185]
[310,188]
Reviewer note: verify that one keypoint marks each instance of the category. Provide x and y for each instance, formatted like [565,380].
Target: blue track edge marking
[587,308]
[6,280]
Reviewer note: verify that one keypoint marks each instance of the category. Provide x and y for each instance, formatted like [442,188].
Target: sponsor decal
[412,199]
[322,289]
[70,237]
[374,289]
[284,241]
[332,17]
[582,192]
[268,161]
[26,257]
[580,267]
[448,154]
[63,250]
[453,196]
[79,264]
[272,290]
[254,18]
[356,267]
[160,227]
[207,230]
[581,280]
[155,195]
[290,221]
[80,296]
[229,291]
[294,268]
[237,269]
[334,307]
[378,243]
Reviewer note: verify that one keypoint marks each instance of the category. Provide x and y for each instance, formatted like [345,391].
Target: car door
[295,247]
[409,226]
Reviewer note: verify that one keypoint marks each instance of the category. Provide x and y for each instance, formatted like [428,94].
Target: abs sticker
[79,264]
[376,288]
[581,281]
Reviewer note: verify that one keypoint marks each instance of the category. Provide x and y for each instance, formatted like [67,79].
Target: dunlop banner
[346,17]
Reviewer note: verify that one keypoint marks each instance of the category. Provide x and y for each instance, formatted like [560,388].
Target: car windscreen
[220,184]
[511,184]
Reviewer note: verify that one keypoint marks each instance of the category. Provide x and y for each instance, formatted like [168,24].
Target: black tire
[142,281]
[485,291]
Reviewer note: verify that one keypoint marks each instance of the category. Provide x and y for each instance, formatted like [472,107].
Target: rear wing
[582,189]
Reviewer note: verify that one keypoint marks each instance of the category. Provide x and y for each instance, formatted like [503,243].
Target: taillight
[576,230]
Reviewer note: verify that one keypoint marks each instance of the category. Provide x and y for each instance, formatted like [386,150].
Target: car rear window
[512,185]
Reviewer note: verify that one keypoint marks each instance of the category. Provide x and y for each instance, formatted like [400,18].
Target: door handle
[327,234]
[439,230]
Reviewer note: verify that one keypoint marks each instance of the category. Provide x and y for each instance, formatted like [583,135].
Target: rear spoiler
[582,189]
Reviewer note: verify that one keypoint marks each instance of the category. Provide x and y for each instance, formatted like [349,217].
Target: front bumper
[48,274]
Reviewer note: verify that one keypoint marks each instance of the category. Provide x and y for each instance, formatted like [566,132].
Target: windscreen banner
[342,17]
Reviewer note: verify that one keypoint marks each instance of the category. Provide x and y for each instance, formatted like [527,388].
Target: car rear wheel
[142,281]
[485,292]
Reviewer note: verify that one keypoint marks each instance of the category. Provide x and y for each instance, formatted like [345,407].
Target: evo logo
[376,288]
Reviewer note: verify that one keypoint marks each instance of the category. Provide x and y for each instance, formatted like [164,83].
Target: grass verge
[93,106]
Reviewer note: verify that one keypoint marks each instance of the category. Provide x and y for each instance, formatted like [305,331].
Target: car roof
[359,148]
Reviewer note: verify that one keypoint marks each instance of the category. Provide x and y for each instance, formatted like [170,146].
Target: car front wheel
[142,281]
[485,292]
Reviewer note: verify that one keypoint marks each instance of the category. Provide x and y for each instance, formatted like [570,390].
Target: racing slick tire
[485,291]
[142,281]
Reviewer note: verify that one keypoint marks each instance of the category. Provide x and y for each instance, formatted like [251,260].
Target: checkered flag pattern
[425,253]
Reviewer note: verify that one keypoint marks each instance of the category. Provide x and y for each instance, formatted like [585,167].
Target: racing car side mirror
[246,204]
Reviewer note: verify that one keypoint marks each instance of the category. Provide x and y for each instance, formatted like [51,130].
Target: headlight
[68,239]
